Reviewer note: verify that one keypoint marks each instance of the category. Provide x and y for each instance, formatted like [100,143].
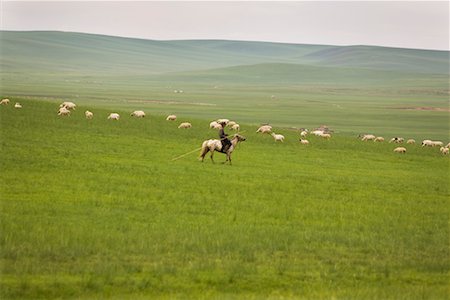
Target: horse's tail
[204,150]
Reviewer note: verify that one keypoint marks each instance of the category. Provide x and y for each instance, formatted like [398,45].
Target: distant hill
[80,54]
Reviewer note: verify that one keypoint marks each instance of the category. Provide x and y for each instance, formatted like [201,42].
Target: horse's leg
[204,154]
[212,154]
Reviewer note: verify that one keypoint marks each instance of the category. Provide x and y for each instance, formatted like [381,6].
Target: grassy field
[97,209]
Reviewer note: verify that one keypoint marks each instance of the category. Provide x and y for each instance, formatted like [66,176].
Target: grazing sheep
[113,116]
[379,139]
[138,114]
[235,127]
[400,150]
[68,105]
[89,115]
[326,136]
[411,141]
[4,101]
[231,123]
[277,137]
[215,125]
[303,133]
[226,121]
[264,129]
[17,105]
[185,125]
[438,144]
[273,96]
[63,111]
[368,137]
[397,140]
[428,143]
[304,142]
[317,132]
[444,150]
[171,118]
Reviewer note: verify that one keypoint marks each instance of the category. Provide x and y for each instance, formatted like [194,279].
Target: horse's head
[239,137]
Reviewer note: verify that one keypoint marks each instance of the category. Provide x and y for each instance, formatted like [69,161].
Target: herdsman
[226,143]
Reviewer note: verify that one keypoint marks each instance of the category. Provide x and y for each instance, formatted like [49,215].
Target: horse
[216,145]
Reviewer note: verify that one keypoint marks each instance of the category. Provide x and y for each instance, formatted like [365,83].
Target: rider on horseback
[226,143]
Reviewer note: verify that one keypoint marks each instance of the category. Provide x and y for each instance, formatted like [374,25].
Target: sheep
[4,101]
[113,116]
[379,139]
[438,144]
[448,145]
[235,127]
[303,133]
[264,129]
[325,136]
[304,142]
[89,115]
[368,137]
[68,105]
[185,125]
[138,114]
[63,112]
[400,150]
[444,150]
[17,105]
[231,123]
[273,96]
[397,140]
[215,125]
[226,121]
[277,137]
[171,118]
[317,132]
[428,143]
[411,141]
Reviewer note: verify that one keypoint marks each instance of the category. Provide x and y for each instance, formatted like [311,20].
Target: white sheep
[231,123]
[215,125]
[444,150]
[400,150]
[226,121]
[277,137]
[171,118]
[264,129]
[304,142]
[17,105]
[448,145]
[4,101]
[368,137]
[138,114]
[379,139]
[411,141]
[317,132]
[428,143]
[63,111]
[326,136]
[438,144]
[113,116]
[89,115]
[304,133]
[68,105]
[397,140]
[235,127]
[185,125]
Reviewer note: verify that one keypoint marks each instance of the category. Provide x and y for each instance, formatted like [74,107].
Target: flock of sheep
[65,109]
[399,140]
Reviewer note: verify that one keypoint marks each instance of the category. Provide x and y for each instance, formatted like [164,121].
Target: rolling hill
[68,52]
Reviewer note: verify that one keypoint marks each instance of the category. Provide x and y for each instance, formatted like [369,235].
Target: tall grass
[98,209]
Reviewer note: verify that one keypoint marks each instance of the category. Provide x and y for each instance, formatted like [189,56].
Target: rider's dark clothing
[226,143]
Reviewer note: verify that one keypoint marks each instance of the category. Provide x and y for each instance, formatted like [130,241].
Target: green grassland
[95,209]
[355,89]
[98,209]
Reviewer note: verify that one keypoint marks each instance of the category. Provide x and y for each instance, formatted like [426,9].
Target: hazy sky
[407,24]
